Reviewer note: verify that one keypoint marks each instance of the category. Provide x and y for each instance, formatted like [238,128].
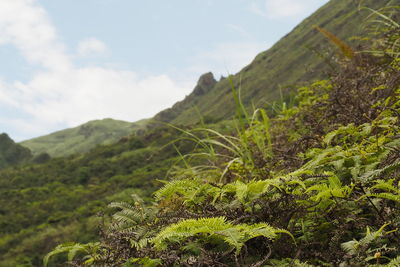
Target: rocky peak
[206,83]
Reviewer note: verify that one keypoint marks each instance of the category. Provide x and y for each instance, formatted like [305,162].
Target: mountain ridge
[82,138]
[263,78]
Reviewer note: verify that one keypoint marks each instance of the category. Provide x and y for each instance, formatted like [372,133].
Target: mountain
[315,184]
[42,205]
[82,138]
[12,153]
[299,56]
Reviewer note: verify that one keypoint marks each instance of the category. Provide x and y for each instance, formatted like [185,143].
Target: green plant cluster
[316,185]
[42,205]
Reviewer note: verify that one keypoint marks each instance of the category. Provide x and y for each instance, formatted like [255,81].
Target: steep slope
[12,153]
[82,138]
[298,57]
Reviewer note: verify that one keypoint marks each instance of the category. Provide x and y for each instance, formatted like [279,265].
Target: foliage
[336,198]
[73,249]
[12,153]
[59,200]
[320,170]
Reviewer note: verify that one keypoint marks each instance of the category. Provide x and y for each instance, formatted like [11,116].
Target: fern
[145,262]
[332,188]
[355,247]
[387,196]
[89,250]
[394,263]
[287,263]
[392,192]
[130,216]
[177,188]
[371,175]
[218,228]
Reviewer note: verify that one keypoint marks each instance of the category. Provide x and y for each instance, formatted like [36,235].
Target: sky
[66,62]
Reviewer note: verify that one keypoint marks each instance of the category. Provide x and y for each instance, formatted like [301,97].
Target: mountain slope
[317,184]
[82,138]
[12,153]
[44,205]
[296,58]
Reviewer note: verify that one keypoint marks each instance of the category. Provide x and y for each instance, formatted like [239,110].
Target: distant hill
[296,58]
[82,138]
[12,153]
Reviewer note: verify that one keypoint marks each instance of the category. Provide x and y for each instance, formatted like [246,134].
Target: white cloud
[87,93]
[63,94]
[227,58]
[25,25]
[91,46]
[280,9]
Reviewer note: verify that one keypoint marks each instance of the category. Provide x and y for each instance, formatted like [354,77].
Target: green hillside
[65,199]
[298,57]
[82,138]
[44,204]
[12,153]
[317,184]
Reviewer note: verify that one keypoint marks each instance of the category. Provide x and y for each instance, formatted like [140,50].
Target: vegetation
[82,138]
[44,204]
[316,185]
[12,153]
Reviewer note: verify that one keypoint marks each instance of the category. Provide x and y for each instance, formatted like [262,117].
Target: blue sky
[71,61]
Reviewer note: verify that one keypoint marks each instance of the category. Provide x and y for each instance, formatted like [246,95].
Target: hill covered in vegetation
[318,184]
[296,176]
[12,153]
[57,201]
[82,138]
[302,55]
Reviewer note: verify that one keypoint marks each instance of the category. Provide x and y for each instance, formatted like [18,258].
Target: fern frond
[368,176]
[121,205]
[176,187]
[351,247]
[72,249]
[371,236]
[385,185]
[142,243]
[388,196]
[233,235]
[394,263]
